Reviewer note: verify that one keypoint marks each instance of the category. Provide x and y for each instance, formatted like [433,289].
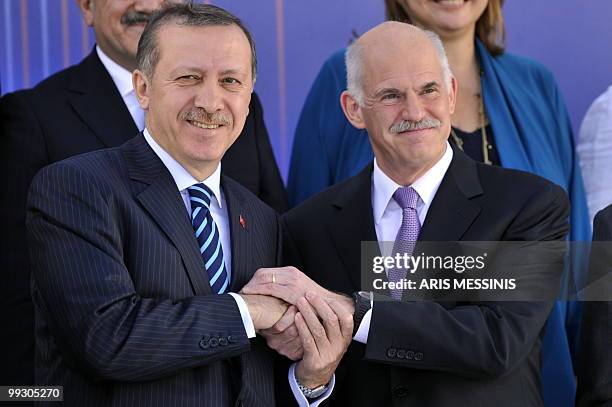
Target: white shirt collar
[426,186]
[181,176]
[120,76]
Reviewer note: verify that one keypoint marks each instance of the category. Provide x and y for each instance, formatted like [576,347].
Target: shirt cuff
[364,328]
[299,396]
[244,313]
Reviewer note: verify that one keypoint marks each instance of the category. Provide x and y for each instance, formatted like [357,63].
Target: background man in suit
[419,353]
[138,251]
[595,369]
[87,107]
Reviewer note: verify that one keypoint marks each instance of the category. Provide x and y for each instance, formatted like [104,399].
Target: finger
[286,320]
[285,293]
[308,341]
[345,318]
[314,325]
[326,314]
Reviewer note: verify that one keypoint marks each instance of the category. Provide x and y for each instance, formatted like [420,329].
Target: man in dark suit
[595,369]
[87,107]
[419,353]
[138,251]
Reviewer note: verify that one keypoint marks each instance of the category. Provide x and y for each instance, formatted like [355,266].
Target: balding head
[395,39]
[402,91]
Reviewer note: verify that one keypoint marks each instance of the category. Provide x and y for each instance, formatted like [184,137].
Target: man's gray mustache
[407,125]
[135,17]
[220,118]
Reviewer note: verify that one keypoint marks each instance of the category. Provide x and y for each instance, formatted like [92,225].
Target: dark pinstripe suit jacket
[124,311]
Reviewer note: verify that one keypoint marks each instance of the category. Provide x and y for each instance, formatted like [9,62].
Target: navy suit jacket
[76,111]
[124,310]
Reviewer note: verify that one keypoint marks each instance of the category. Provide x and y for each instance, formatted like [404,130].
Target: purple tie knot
[406,197]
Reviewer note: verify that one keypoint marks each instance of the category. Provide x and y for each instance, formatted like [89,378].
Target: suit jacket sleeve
[485,339]
[272,189]
[84,289]
[22,154]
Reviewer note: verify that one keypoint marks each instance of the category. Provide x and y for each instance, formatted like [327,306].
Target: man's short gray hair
[185,14]
[354,66]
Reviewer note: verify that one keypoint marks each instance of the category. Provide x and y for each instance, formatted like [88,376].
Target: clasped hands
[300,320]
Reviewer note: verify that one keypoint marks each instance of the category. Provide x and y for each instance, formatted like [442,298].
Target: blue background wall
[570,37]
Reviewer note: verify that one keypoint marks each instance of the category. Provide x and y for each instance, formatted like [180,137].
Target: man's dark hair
[185,14]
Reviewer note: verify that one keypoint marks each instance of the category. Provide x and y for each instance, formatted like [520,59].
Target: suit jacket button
[391,352]
[223,341]
[409,355]
[418,356]
[203,344]
[401,353]
[400,391]
[214,342]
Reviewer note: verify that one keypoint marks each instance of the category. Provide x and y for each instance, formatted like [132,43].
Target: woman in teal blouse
[509,112]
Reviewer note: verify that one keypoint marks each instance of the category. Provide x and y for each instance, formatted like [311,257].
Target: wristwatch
[311,393]
[363,303]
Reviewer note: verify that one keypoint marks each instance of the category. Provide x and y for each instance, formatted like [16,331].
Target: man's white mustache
[407,125]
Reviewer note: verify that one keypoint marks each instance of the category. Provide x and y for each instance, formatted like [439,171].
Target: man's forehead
[401,72]
[222,43]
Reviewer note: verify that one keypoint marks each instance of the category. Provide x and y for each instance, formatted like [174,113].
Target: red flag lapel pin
[242,221]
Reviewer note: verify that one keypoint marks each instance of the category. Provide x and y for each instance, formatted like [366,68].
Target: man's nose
[209,97]
[148,6]
[412,107]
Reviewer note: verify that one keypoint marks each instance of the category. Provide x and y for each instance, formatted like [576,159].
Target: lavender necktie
[408,233]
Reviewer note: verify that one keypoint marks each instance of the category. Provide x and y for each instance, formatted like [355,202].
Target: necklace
[486,146]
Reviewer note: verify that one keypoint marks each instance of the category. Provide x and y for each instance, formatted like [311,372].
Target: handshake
[301,320]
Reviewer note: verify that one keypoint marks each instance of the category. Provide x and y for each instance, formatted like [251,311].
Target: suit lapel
[353,217]
[240,235]
[97,102]
[162,200]
[452,212]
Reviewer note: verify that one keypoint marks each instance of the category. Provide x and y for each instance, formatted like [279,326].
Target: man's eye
[230,81]
[188,78]
[390,96]
[430,90]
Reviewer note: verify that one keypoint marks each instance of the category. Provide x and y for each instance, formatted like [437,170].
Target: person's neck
[461,54]
[405,175]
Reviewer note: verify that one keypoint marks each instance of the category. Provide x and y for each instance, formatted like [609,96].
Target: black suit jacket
[595,371]
[124,311]
[429,353]
[75,111]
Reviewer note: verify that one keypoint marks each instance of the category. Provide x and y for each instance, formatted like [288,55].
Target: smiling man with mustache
[83,108]
[406,352]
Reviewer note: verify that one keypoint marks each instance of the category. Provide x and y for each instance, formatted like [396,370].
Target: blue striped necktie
[207,235]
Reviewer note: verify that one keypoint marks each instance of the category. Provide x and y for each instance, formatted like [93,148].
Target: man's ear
[87,10]
[141,88]
[352,110]
[452,95]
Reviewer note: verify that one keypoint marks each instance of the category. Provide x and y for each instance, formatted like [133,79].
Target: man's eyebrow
[431,84]
[385,91]
[233,71]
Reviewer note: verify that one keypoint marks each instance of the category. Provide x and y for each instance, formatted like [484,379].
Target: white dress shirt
[595,152]
[218,211]
[388,214]
[123,81]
